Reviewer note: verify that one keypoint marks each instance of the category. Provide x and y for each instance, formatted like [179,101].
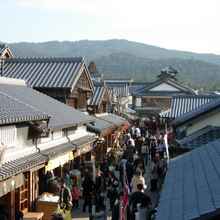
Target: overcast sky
[191,25]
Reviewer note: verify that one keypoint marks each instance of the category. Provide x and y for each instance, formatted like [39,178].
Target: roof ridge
[46,59]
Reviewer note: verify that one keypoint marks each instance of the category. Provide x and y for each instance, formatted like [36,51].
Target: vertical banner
[167,146]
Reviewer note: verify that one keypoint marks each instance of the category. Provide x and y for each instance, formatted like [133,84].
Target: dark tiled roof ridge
[196,96]
[46,59]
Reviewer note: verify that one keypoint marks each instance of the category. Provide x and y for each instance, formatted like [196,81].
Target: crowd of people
[126,186]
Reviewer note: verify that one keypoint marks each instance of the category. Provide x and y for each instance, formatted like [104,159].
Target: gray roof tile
[98,95]
[60,114]
[13,110]
[99,125]
[114,119]
[46,72]
[215,104]
[194,179]
[186,103]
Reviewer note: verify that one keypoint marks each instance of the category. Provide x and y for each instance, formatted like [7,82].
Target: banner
[167,146]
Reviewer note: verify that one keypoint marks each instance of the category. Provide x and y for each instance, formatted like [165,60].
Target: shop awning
[100,126]
[114,119]
[26,163]
[21,165]
[64,153]
[11,184]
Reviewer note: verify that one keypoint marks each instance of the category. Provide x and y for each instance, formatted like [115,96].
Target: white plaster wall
[210,119]
[164,87]
[138,102]
[25,147]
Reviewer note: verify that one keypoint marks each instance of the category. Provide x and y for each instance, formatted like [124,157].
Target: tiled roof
[98,95]
[26,163]
[99,125]
[197,112]
[135,87]
[200,137]
[15,111]
[174,83]
[60,114]
[186,103]
[114,119]
[119,91]
[46,72]
[191,188]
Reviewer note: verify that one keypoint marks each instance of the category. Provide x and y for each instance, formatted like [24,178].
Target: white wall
[164,87]
[23,147]
[211,119]
[208,119]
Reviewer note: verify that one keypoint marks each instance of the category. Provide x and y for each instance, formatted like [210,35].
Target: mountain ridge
[127,58]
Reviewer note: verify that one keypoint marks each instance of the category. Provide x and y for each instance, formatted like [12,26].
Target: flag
[167,146]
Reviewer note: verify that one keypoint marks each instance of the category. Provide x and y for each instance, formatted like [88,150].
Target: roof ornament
[168,72]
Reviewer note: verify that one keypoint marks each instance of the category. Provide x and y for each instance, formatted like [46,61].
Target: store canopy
[100,126]
[64,153]
[114,119]
[11,184]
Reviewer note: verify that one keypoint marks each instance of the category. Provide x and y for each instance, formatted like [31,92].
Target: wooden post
[12,205]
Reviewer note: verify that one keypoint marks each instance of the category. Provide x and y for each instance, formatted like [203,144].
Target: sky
[190,25]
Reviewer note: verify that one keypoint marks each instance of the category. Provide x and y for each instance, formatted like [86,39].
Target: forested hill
[122,58]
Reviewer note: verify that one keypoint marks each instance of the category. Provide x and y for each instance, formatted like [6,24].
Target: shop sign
[59,161]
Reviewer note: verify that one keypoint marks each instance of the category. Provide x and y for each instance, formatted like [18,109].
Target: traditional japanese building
[65,79]
[5,51]
[38,134]
[191,122]
[156,96]
[120,92]
[101,100]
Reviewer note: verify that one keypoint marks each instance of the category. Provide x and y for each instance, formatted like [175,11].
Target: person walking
[137,179]
[75,195]
[154,174]
[139,197]
[88,192]
[65,200]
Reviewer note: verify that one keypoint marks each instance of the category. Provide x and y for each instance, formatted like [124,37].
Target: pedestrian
[137,179]
[154,174]
[153,147]
[161,148]
[113,193]
[116,208]
[129,171]
[88,192]
[139,197]
[65,201]
[145,152]
[75,195]
[137,132]
[99,190]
